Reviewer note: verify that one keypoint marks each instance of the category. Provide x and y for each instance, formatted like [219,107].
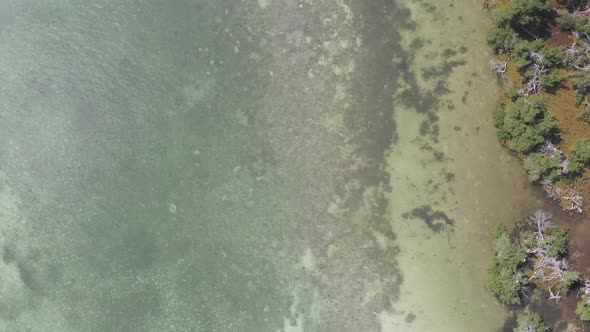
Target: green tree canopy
[505,277]
[580,155]
[525,123]
[530,18]
[530,322]
[583,308]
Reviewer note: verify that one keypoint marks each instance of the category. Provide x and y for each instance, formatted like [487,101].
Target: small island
[534,257]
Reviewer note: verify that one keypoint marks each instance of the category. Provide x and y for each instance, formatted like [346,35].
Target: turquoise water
[227,165]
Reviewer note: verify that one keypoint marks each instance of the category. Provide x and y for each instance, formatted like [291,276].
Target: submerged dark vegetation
[534,68]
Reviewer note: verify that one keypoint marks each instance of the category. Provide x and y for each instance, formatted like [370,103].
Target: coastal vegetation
[530,322]
[534,256]
[543,62]
[583,308]
[524,124]
[506,278]
[543,57]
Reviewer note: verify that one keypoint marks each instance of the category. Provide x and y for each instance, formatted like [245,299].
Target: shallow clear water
[259,165]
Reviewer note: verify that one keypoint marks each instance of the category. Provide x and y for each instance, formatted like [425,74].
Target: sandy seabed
[250,166]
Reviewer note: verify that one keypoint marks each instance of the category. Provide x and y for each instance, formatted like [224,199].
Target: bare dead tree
[537,274]
[537,57]
[552,191]
[577,5]
[579,53]
[534,84]
[542,221]
[576,201]
[489,4]
[565,166]
[586,288]
[582,11]
[528,326]
[557,268]
[498,67]
[571,51]
[547,269]
[553,296]
[549,150]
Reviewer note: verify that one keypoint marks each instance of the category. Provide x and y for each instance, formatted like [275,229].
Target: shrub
[527,240]
[537,166]
[570,22]
[565,19]
[583,308]
[584,115]
[527,141]
[557,242]
[512,94]
[580,156]
[582,86]
[530,322]
[521,53]
[498,117]
[581,150]
[553,57]
[525,123]
[524,16]
[575,168]
[552,81]
[570,278]
[505,277]
[499,231]
[502,39]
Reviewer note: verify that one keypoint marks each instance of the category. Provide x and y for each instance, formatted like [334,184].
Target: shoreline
[487,183]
